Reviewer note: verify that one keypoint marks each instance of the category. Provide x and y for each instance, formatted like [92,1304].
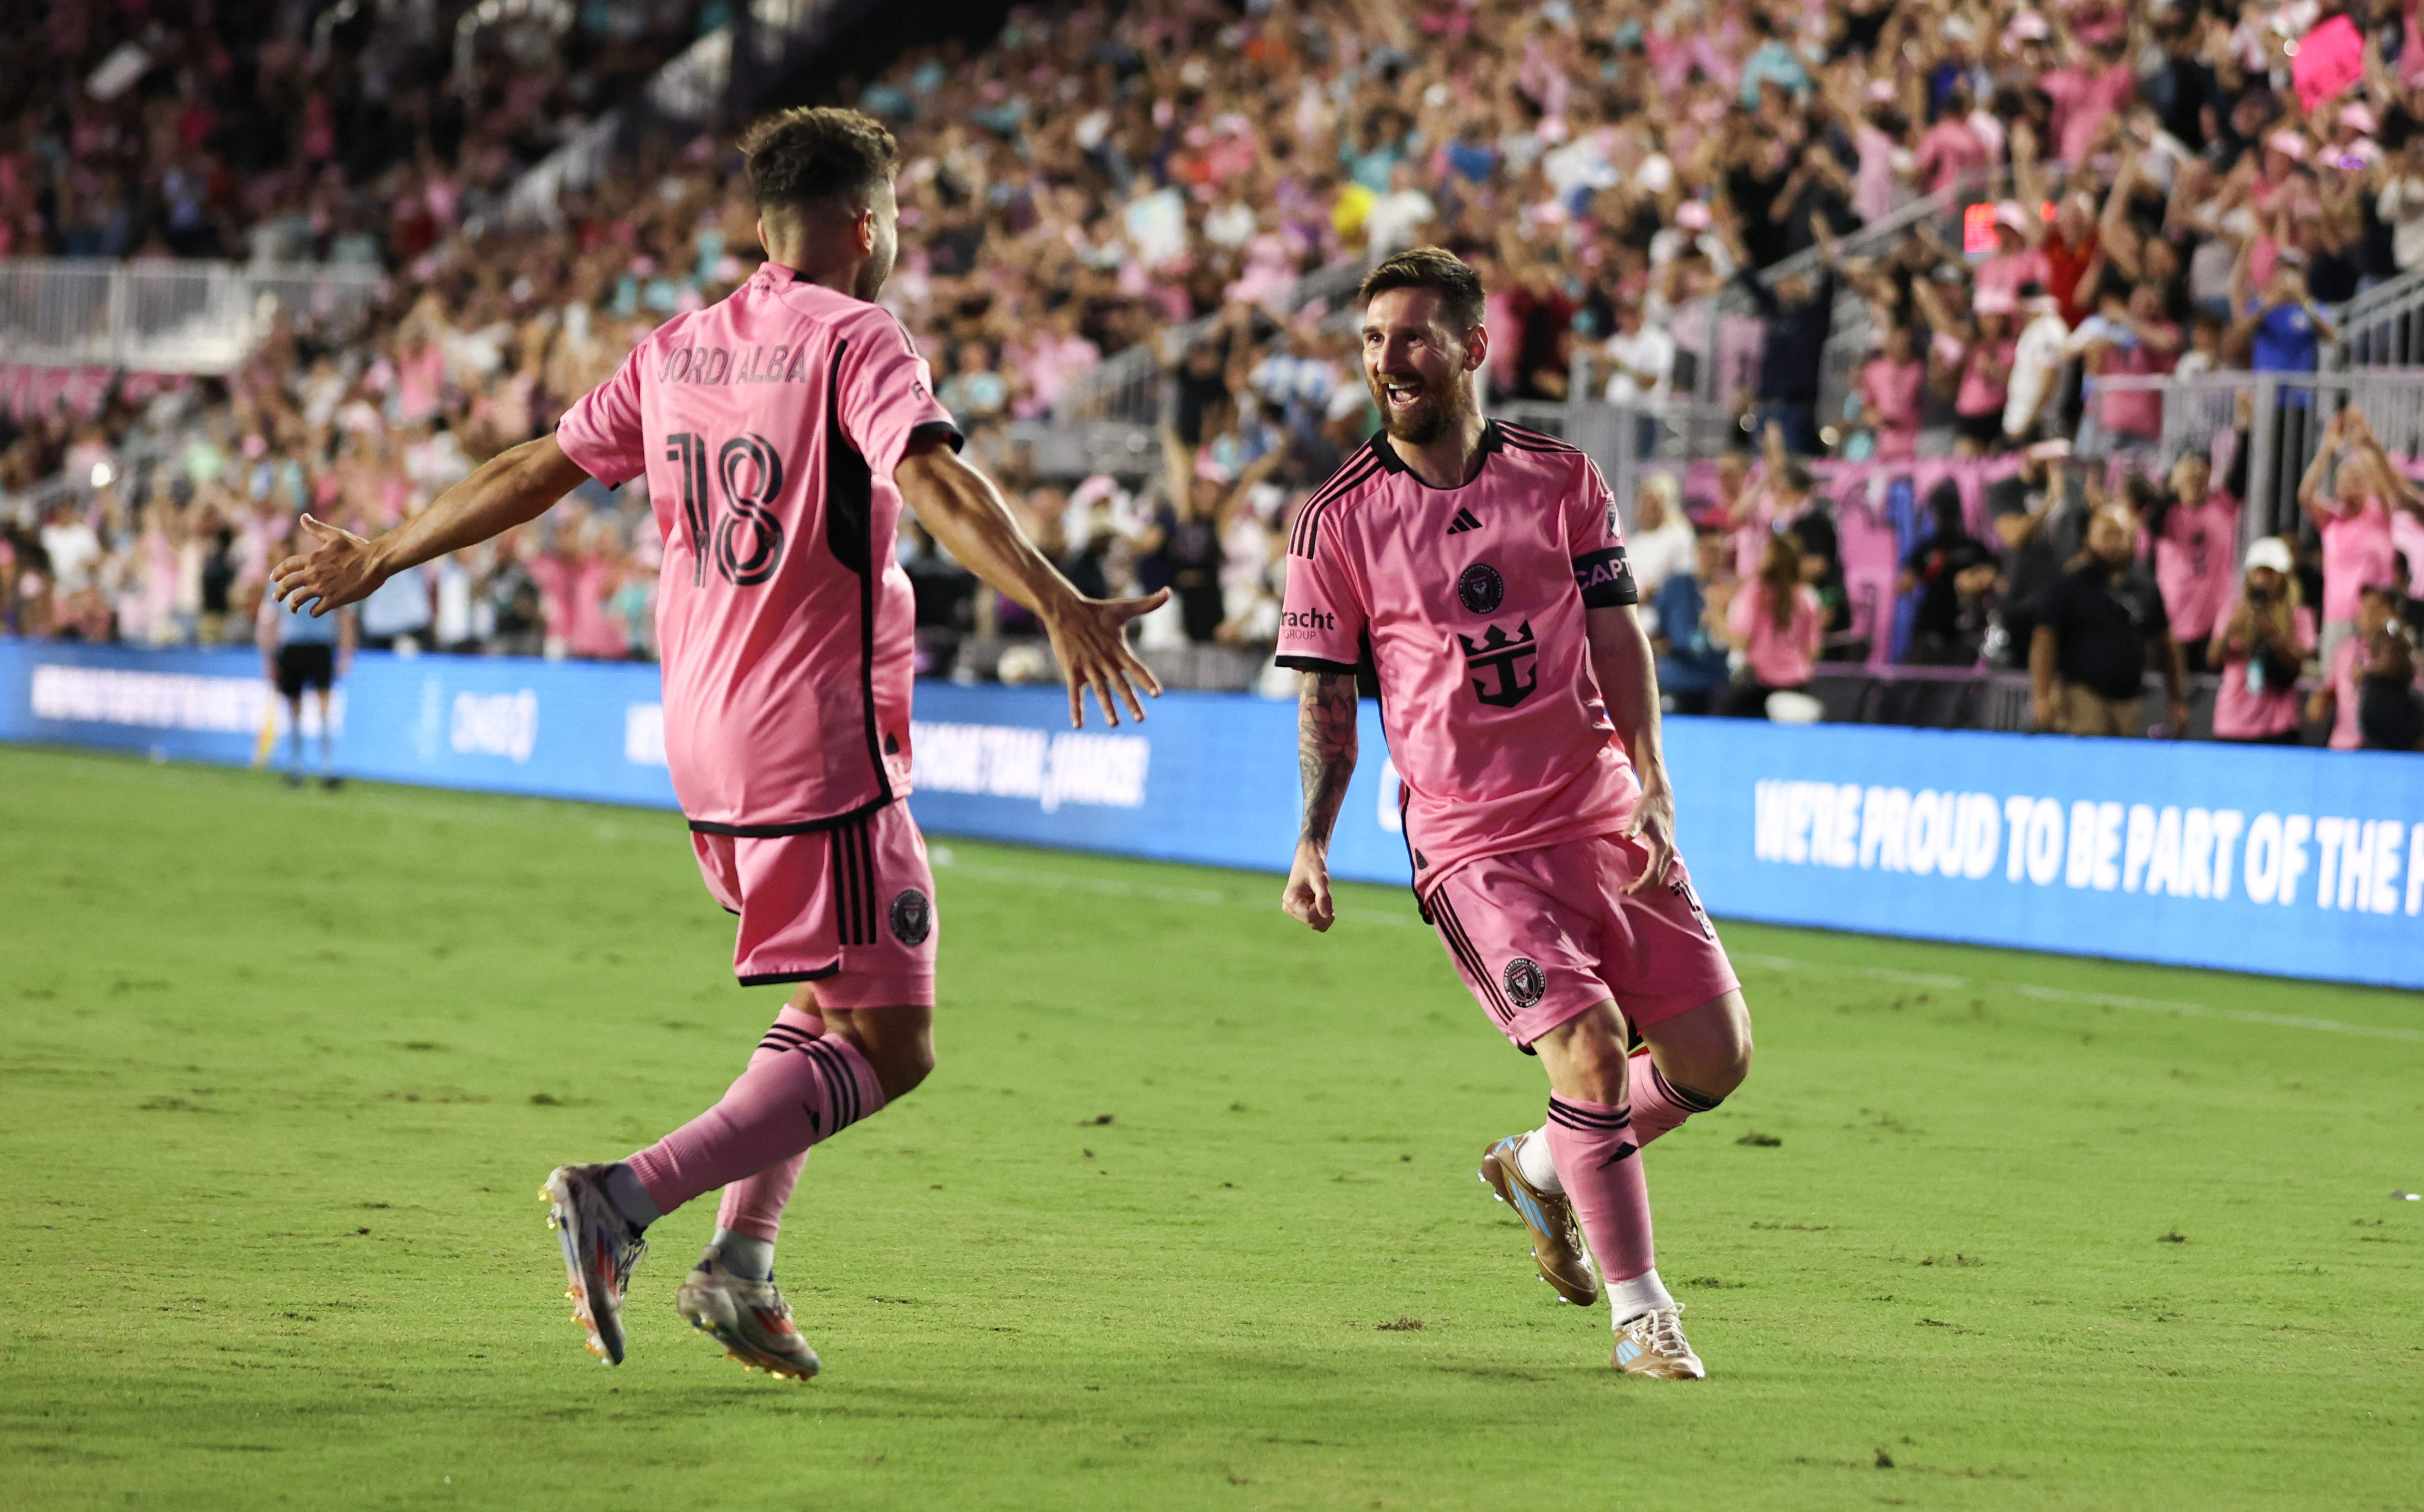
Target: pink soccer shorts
[850,908]
[1544,934]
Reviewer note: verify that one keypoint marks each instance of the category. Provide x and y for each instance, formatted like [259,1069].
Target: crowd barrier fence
[2288,862]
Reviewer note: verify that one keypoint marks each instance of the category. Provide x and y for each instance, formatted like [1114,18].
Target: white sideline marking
[1209,897]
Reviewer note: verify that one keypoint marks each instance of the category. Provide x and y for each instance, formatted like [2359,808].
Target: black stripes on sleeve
[1359,469]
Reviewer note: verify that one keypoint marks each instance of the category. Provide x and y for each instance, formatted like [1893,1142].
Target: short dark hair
[811,155]
[1430,267]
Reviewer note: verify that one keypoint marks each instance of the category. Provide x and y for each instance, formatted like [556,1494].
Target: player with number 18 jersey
[769,425]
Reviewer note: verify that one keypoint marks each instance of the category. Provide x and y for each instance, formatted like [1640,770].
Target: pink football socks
[799,1089]
[1599,1162]
[753,1206]
[1658,1104]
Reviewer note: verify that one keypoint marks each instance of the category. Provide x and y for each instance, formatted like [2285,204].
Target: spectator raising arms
[2354,523]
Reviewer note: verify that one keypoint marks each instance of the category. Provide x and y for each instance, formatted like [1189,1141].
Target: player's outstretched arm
[1627,670]
[511,488]
[965,512]
[1325,755]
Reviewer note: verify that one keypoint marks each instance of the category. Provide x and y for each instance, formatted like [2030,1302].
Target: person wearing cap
[2260,649]
[1979,372]
[2017,259]
[2098,627]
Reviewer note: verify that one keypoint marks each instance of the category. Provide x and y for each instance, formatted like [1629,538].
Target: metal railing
[2284,415]
[2383,326]
[168,316]
[1852,332]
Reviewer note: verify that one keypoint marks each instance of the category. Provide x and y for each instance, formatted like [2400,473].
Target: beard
[1427,418]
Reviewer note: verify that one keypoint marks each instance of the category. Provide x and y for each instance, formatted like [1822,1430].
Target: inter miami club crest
[1481,589]
[1525,981]
[1503,657]
[912,917]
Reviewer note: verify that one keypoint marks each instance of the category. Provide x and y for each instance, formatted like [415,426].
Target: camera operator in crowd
[2259,649]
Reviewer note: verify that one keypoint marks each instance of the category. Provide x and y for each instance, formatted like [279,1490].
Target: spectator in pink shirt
[2344,670]
[2260,649]
[1890,395]
[2017,259]
[2138,343]
[2355,522]
[1951,147]
[2194,528]
[1777,622]
[1979,373]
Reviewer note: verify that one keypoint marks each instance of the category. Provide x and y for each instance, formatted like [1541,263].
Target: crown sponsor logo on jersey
[1504,655]
[1465,520]
[1308,619]
[1524,980]
[1480,589]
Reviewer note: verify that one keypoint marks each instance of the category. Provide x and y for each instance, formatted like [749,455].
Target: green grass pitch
[1186,1219]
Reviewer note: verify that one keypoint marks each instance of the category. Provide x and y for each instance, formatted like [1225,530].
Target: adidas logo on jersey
[1465,520]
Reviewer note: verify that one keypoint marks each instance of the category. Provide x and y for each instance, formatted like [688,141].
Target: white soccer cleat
[1653,1344]
[599,1251]
[748,1317]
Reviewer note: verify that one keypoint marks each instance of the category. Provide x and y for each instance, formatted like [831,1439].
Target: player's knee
[1600,1065]
[901,1063]
[1728,1070]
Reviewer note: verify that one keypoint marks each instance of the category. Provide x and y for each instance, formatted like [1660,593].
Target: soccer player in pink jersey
[1479,568]
[781,431]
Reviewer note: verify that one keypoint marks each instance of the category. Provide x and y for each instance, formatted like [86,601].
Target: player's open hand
[1090,640]
[1653,829]
[339,569]
[1307,896]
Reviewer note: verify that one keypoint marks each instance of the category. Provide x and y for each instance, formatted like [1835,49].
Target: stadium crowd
[2163,199]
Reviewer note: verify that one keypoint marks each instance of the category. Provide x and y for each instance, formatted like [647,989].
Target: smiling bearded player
[1480,568]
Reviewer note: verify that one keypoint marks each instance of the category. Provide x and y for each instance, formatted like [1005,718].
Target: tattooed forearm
[1325,750]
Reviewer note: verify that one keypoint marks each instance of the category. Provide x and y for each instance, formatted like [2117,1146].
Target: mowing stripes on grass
[279,1072]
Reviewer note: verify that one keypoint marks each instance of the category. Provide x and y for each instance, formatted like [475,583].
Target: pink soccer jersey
[769,425]
[1471,601]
